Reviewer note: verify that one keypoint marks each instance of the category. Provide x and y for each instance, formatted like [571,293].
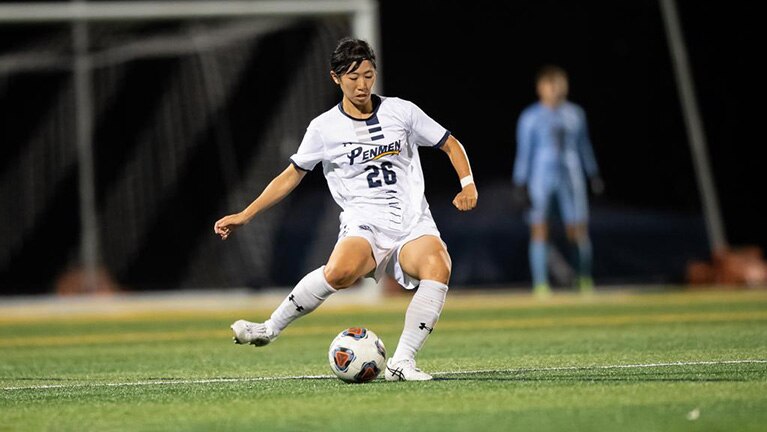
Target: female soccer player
[368,146]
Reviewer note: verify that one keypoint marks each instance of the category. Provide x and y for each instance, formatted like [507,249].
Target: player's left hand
[597,185]
[467,198]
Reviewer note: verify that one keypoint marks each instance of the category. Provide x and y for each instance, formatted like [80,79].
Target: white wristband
[467,181]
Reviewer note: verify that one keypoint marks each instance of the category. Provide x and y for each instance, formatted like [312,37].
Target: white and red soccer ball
[357,355]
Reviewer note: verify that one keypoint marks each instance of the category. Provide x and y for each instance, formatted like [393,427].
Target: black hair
[350,52]
[550,71]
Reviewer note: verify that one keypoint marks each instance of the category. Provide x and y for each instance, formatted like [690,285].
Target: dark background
[482,59]
[470,65]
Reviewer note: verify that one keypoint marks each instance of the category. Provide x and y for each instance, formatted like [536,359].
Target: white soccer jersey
[372,166]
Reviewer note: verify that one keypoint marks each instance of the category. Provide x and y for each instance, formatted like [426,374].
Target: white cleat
[246,332]
[404,370]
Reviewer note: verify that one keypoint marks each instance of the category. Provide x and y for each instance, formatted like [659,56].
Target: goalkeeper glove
[597,185]
[520,197]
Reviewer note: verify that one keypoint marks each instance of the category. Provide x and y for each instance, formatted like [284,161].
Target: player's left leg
[574,205]
[427,260]
[577,235]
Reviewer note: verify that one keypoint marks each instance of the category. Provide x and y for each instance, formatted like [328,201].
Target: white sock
[420,318]
[308,294]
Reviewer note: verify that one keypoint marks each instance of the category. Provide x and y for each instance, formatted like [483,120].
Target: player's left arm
[586,152]
[467,198]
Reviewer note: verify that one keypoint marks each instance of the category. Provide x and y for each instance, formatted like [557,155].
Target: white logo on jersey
[374,153]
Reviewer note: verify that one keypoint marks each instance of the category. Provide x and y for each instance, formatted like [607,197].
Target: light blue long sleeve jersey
[553,153]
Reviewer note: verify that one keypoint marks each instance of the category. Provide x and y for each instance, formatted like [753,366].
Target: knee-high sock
[308,294]
[538,268]
[420,318]
[582,256]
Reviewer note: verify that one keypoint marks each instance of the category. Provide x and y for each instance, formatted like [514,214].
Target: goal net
[186,116]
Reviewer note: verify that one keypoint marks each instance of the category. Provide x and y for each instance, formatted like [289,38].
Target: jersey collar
[376,104]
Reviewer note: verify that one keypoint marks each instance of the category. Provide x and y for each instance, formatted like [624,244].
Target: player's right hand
[520,197]
[227,224]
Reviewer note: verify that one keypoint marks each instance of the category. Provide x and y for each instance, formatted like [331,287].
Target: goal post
[86,58]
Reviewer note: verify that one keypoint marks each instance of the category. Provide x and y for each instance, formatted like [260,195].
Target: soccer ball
[357,355]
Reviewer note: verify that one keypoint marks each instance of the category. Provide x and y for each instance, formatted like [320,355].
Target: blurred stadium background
[124,136]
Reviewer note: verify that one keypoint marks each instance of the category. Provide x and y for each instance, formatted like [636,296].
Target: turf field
[614,362]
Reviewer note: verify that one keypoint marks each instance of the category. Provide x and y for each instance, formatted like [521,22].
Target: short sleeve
[310,152]
[426,131]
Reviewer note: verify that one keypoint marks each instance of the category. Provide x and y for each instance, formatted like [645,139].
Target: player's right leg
[541,194]
[352,258]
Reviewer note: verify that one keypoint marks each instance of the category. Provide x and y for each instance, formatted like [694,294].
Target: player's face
[552,90]
[357,86]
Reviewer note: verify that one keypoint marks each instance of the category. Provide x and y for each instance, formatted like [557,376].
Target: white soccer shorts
[386,246]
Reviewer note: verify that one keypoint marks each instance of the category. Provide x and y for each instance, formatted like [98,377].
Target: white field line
[316,377]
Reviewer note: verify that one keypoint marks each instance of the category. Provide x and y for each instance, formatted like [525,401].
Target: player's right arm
[278,188]
[523,160]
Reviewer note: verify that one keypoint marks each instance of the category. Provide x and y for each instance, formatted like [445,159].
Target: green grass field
[614,362]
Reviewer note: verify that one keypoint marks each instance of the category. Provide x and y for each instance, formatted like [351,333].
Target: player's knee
[436,267]
[576,232]
[539,231]
[340,276]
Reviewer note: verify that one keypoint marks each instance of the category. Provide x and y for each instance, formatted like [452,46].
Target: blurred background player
[553,153]
[368,147]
